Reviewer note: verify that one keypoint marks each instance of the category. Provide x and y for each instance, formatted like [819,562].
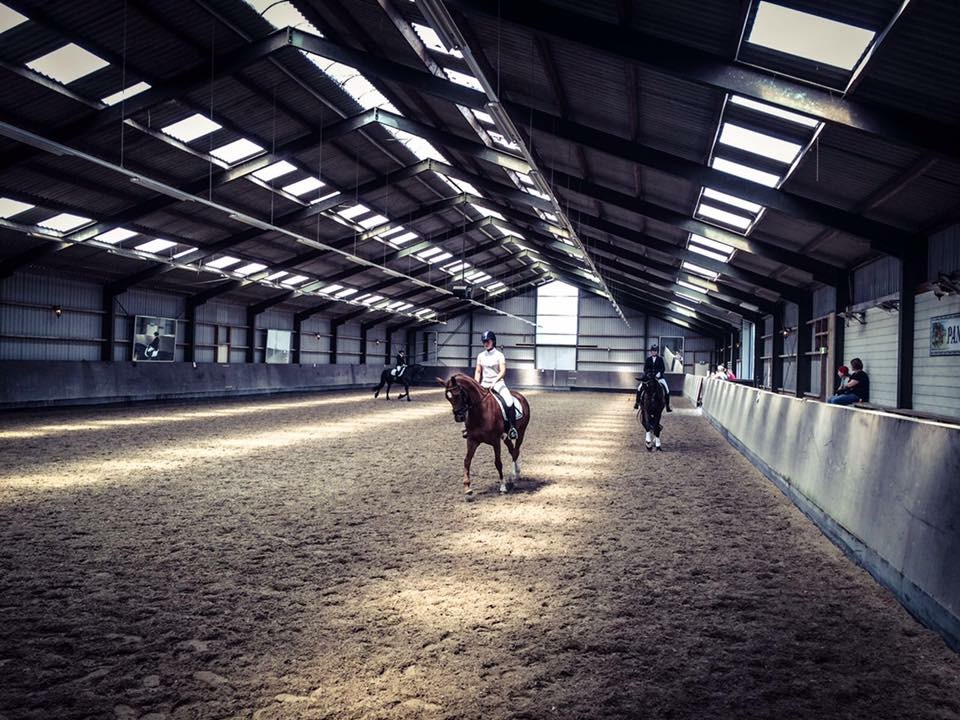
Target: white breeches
[500,387]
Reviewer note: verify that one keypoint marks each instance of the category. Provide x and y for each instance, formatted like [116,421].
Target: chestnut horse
[481,412]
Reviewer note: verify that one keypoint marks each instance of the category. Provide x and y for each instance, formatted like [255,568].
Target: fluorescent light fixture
[737,221]
[746,172]
[65,222]
[456,267]
[372,299]
[775,111]
[696,269]
[250,268]
[428,253]
[440,258]
[116,235]
[191,128]
[392,231]
[759,143]
[294,280]
[9,208]
[223,262]
[274,171]
[276,275]
[731,200]
[125,94]
[351,212]
[156,245]
[302,187]
[329,289]
[251,221]
[237,150]
[809,36]
[66,64]
[10,18]
[347,292]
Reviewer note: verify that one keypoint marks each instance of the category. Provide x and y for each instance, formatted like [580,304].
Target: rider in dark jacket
[653,367]
[401,363]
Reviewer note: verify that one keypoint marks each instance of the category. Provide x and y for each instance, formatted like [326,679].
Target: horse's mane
[468,384]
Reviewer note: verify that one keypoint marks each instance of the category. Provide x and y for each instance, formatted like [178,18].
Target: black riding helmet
[489,335]
[655,347]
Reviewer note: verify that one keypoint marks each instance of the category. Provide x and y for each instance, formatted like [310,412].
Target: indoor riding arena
[479,359]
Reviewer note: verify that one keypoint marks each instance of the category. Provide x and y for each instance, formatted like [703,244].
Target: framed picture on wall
[278,346]
[154,338]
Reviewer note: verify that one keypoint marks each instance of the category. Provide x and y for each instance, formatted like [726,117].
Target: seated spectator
[843,373]
[857,388]
[721,373]
[730,375]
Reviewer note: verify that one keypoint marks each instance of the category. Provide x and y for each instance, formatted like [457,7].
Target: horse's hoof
[649,448]
[659,449]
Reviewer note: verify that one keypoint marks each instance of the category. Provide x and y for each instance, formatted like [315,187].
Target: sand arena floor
[313,557]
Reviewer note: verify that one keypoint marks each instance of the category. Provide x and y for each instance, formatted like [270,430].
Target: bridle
[460,411]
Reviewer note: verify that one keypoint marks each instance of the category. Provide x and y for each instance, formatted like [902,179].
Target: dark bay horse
[652,403]
[410,374]
[480,410]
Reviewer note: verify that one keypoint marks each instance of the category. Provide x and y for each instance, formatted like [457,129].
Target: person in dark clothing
[153,349]
[653,367]
[401,363]
[857,388]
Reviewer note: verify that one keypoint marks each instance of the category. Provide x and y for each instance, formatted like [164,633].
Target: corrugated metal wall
[876,280]
[944,253]
[935,387]
[617,347]
[824,301]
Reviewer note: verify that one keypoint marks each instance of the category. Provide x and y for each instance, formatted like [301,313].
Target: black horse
[410,374]
[652,401]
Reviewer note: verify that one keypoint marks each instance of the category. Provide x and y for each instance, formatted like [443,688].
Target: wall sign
[945,335]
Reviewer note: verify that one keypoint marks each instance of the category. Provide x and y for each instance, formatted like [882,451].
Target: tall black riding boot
[669,409]
[512,421]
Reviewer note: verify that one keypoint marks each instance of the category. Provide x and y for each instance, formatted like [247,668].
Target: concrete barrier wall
[886,488]
[560,379]
[33,384]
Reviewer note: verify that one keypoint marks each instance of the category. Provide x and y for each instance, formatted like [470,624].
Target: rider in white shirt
[491,366]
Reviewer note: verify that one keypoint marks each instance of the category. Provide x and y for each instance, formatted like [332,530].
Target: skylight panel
[395,305]
[187,249]
[351,212]
[302,187]
[330,289]
[237,150]
[223,262]
[274,171]
[715,244]
[66,64]
[9,207]
[10,18]
[708,253]
[775,111]
[347,292]
[502,141]
[483,117]
[486,212]
[494,286]
[191,128]
[441,257]
[250,268]
[417,145]
[428,253]
[698,288]
[737,221]
[746,172]
[372,299]
[279,14]
[759,143]
[392,231]
[731,200]
[372,221]
[125,94]
[405,306]
[456,267]
[405,238]
[294,280]
[65,222]
[696,269]
[430,38]
[276,275]
[156,245]
[462,185]
[463,79]
[112,237]
[809,36]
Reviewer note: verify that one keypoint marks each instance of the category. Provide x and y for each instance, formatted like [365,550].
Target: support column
[251,353]
[364,328]
[758,343]
[411,345]
[297,339]
[470,339]
[838,326]
[190,351]
[804,344]
[108,329]
[913,269]
[776,362]
[388,349]
[334,326]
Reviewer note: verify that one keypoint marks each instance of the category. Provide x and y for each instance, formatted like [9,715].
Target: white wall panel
[876,344]
[935,386]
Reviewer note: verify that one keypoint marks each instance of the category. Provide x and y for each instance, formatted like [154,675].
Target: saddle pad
[503,406]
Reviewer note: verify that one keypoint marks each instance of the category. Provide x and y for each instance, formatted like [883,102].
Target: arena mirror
[671,348]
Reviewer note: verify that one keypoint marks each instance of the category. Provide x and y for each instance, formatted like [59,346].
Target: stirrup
[512,433]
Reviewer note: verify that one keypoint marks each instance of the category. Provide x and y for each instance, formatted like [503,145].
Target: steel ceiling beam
[700,67]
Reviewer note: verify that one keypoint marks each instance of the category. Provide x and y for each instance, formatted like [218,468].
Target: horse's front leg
[389,385]
[499,464]
[471,449]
